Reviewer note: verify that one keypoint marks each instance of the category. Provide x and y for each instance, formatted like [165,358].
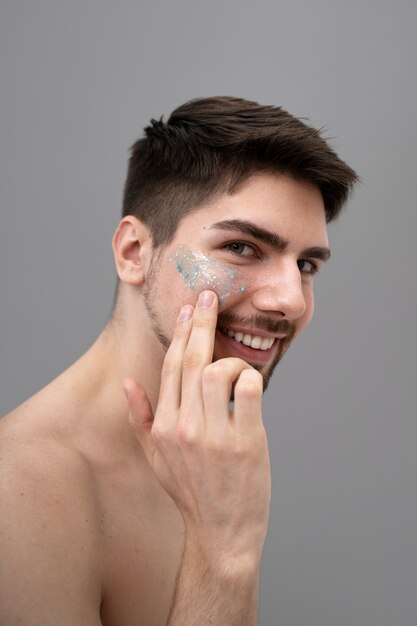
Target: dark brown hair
[210,146]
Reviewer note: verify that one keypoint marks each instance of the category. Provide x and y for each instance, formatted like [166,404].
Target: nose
[281,292]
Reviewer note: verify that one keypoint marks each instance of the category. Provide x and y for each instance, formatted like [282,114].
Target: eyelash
[240,243]
[314,267]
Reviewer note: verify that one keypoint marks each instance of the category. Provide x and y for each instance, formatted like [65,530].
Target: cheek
[305,319]
[199,271]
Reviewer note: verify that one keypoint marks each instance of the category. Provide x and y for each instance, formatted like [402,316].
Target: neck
[126,348]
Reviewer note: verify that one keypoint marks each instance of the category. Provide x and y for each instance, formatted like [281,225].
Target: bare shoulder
[49,530]
[42,471]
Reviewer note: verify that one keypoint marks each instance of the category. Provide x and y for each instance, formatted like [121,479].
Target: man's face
[259,250]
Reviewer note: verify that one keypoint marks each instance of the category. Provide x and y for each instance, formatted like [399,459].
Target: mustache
[257,321]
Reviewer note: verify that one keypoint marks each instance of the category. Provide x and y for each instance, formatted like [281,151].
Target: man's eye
[242,249]
[308,267]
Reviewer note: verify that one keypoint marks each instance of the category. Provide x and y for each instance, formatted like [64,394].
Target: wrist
[223,562]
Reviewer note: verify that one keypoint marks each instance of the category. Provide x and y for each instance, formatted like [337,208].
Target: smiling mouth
[256,342]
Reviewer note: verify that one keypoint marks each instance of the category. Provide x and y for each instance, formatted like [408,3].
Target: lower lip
[245,352]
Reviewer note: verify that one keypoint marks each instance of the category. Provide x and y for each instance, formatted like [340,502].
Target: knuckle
[205,321]
[160,435]
[186,435]
[191,360]
[250,383]
[181,332]
[213,372]
[226,366]
[253,376]
[248,390]
[234,362]
[242,364]
[242,452]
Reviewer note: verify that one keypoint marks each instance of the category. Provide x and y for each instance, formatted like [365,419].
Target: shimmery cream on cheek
[199,272]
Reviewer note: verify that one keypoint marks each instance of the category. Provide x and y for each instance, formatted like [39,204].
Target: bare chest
[143,537]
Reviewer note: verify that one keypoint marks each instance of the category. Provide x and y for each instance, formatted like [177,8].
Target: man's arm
[207,592]
[49,572]
[214,464]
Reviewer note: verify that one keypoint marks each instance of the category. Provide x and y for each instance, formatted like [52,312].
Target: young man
[155,510]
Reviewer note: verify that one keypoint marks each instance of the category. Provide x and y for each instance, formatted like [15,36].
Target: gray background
[79,80]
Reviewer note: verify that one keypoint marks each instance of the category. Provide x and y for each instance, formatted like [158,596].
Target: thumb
[140,416]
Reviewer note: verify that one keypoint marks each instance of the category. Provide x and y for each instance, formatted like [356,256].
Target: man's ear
[132,247]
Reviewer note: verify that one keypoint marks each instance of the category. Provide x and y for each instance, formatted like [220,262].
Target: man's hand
[212,461]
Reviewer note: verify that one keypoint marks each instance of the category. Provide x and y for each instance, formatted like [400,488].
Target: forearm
[211,590]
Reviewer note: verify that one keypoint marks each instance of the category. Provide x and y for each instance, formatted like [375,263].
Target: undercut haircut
[211,146]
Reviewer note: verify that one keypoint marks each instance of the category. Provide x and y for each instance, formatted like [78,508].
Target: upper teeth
[253,341]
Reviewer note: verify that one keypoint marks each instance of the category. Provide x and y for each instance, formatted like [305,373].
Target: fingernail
[205,299]
[186,312]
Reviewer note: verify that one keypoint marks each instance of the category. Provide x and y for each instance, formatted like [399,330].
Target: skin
[155,510]
[200,271]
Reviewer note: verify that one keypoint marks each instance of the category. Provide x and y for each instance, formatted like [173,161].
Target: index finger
[171,374]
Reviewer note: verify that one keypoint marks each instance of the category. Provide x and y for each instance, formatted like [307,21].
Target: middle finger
[199,351]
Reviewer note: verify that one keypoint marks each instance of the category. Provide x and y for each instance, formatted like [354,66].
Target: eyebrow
[271,239]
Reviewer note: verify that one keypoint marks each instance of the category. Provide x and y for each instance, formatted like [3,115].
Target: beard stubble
[225,319]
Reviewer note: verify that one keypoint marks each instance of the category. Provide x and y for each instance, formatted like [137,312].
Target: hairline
[229,188]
